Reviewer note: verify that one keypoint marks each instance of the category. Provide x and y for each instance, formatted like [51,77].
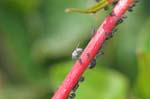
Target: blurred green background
[37,38]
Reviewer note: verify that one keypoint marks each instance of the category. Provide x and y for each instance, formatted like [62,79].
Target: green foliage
[37,37]
[142,87]
[99,83]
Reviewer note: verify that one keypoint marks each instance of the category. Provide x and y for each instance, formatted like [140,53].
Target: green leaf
[142,85]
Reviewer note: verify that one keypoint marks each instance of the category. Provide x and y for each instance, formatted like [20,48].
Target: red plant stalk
[92,49]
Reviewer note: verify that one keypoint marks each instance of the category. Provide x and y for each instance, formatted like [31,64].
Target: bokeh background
[37,38]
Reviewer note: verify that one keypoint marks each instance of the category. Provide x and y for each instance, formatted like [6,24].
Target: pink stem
[92,49]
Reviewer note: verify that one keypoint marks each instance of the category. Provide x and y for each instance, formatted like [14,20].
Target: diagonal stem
[92,49]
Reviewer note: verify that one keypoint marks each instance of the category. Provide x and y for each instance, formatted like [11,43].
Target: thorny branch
[104,32]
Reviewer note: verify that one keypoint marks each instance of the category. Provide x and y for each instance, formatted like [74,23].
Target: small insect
[108,36]
[113,32]
[77,84]
[119,21]
[80,61]
[92,64]
[75,87]
[81,79]
[133,5]
[76,53]
[72,96]
[124,17]
[101,4]
[130,9]
[100,53]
